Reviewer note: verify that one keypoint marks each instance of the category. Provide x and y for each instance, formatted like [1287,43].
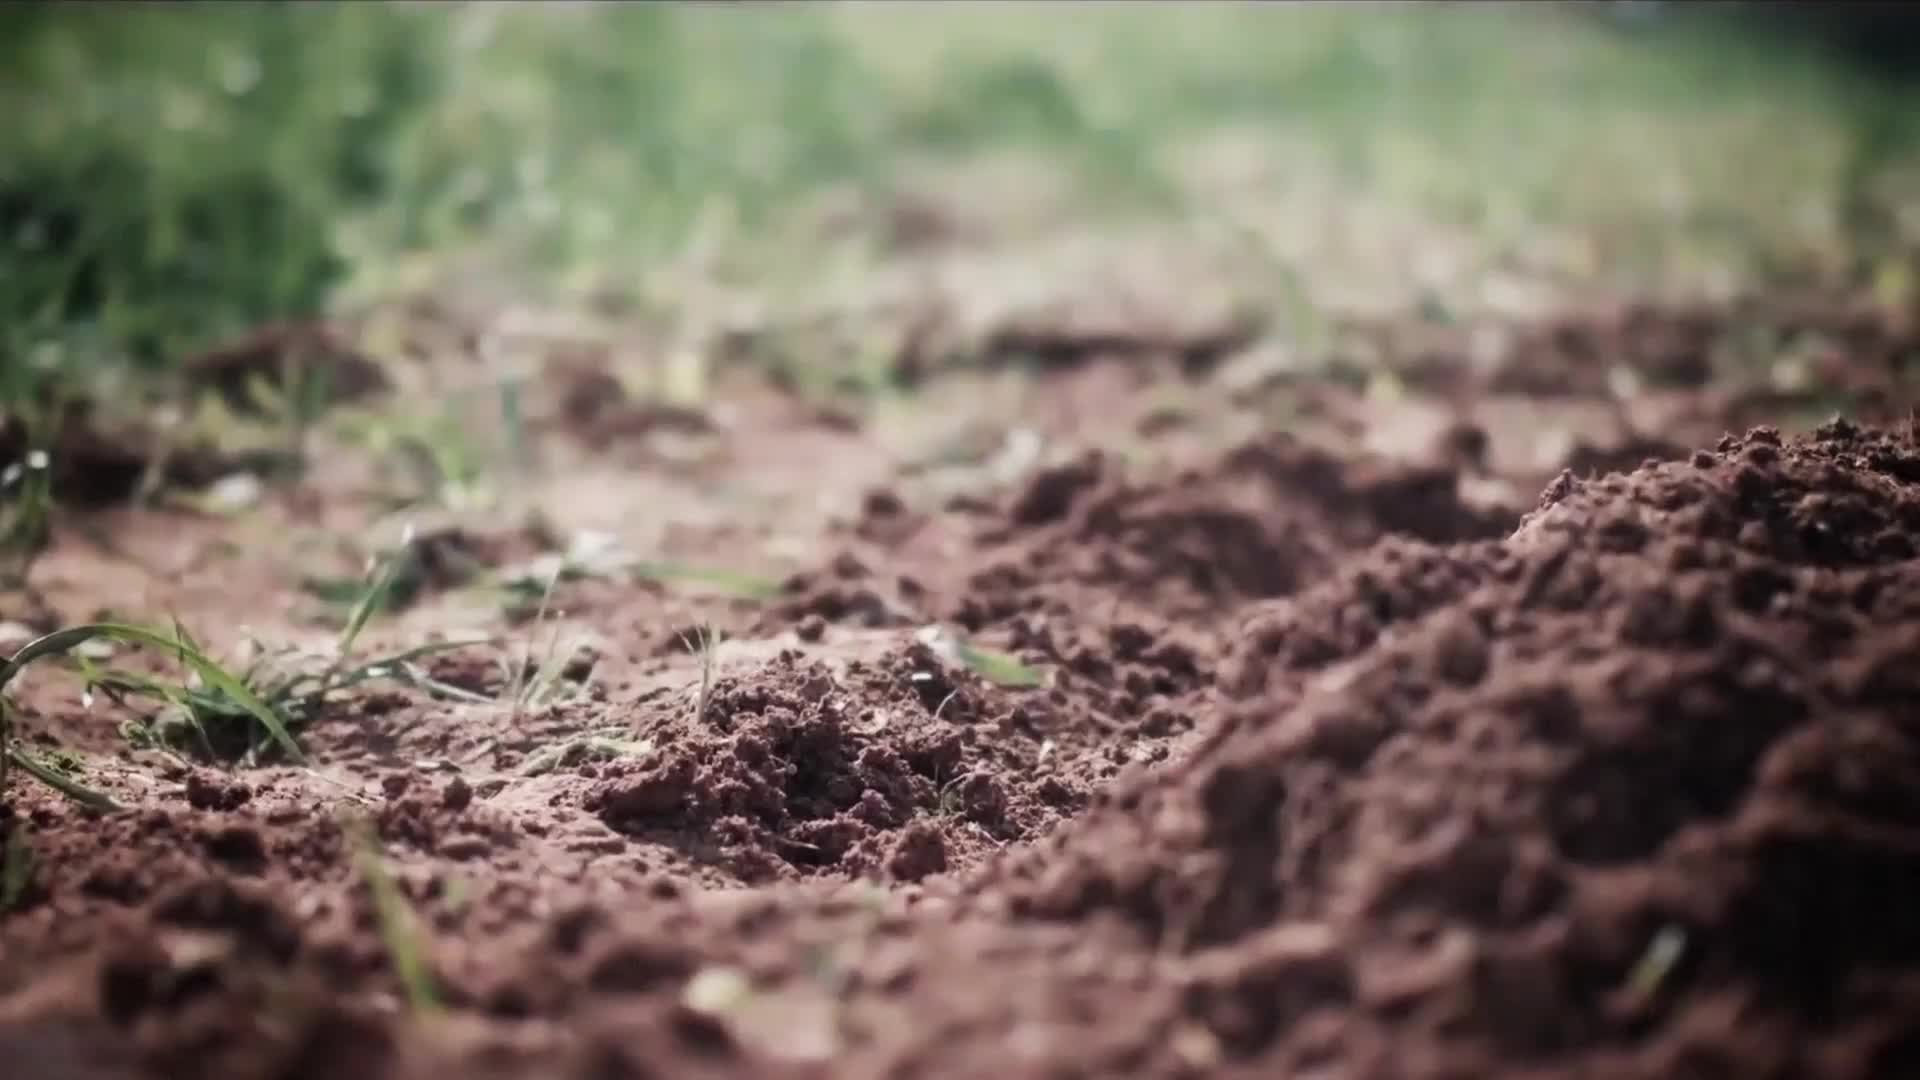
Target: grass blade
[340,677]
[729,582]
[1000,668]
[16,868]
[180,634]
[80,793]
[61,642]
[397,928]
[526,661]
[376,595]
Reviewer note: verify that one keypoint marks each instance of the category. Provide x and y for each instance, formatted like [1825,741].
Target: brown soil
[281,356]
[1404,741]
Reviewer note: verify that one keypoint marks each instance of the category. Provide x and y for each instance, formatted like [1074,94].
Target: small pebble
[457,795]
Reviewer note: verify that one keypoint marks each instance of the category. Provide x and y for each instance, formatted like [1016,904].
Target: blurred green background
[170,174]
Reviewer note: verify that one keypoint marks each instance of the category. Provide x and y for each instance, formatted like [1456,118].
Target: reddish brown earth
[1428,734]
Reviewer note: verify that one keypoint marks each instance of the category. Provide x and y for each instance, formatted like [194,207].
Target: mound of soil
[1271,516]
[1635,792]
[792,772]
[1259,522]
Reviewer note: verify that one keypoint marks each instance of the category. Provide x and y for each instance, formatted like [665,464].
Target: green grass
[222,693]
[173,174]
[214,710]
[210,165]
[992,665]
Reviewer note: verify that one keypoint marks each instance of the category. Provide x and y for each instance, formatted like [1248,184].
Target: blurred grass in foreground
[172,174]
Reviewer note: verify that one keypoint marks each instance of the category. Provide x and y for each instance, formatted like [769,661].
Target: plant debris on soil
[1300,756]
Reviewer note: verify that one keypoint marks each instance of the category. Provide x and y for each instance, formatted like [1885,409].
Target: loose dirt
[1542,715]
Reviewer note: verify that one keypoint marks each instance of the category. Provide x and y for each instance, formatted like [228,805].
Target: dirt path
[1393,719]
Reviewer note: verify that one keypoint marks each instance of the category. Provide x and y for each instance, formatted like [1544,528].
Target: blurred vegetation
[170,174]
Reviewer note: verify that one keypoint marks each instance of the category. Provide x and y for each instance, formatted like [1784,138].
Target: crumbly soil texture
[1555,715]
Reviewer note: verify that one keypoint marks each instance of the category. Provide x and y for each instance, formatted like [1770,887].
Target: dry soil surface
[1523,706]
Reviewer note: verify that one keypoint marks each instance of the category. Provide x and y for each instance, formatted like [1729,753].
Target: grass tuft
[223,691]
[274,695]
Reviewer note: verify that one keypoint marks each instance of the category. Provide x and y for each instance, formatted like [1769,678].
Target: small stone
[919,852]
[881,503]
[234,492]
[457,795]
[1461,654]
[208,792]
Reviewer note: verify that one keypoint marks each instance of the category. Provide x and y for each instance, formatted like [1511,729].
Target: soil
[1549,716]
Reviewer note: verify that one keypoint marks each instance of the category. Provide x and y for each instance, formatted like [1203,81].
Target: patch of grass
[214,165]
[545,683]
[187,185]
[217,710]
[220,689]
